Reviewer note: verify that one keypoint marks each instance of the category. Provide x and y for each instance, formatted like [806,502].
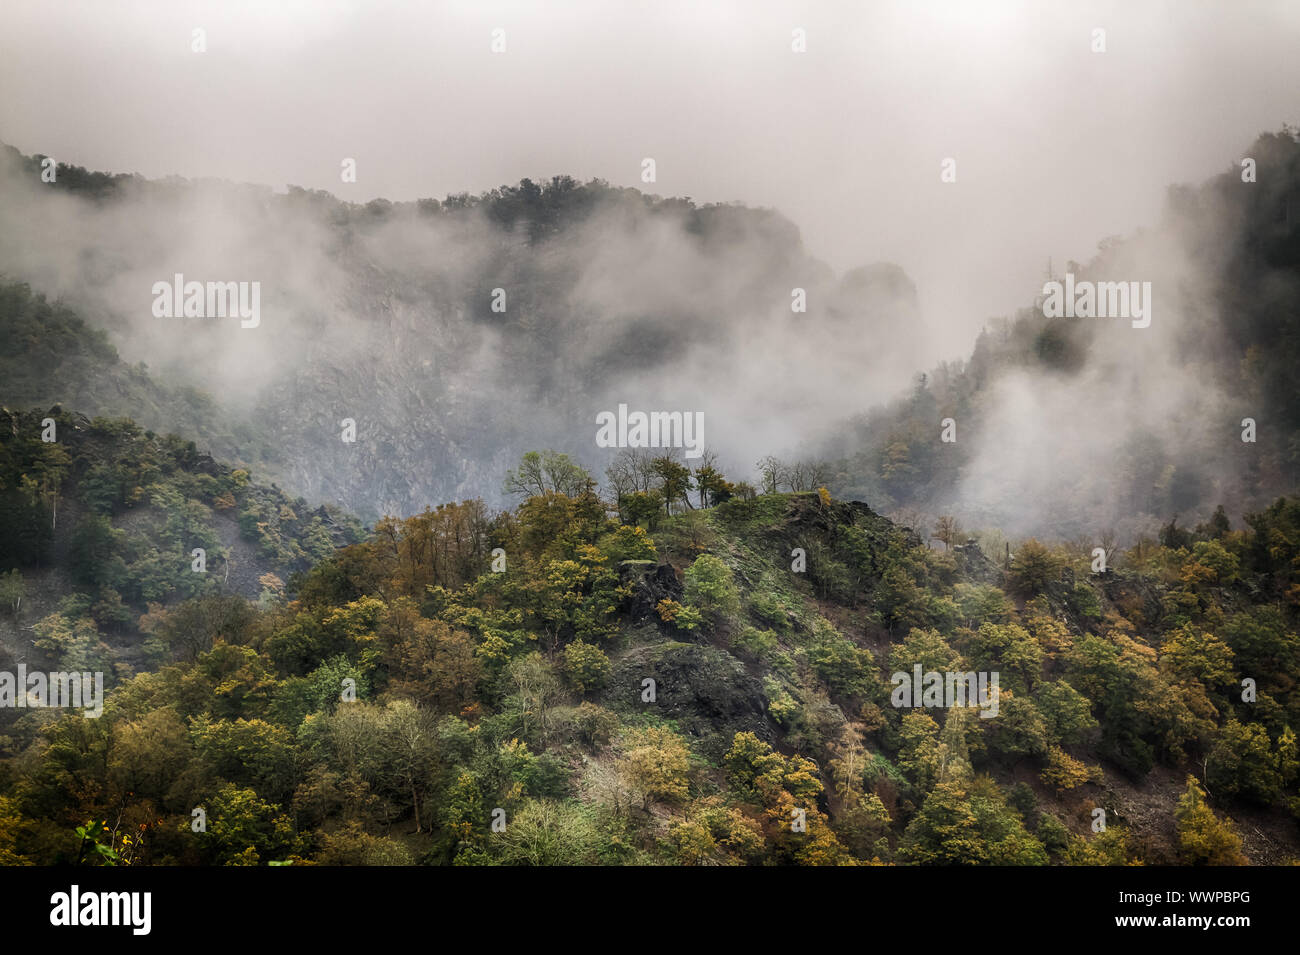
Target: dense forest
[669,667]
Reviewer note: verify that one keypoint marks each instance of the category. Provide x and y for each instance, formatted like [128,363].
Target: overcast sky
[1057,146]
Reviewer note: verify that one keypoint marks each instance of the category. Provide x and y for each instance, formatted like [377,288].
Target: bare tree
[806,475]
[632,470]
[947,529]
[773,473]
[1108,541]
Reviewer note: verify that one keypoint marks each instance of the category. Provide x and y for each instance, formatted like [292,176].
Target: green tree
[95,552]
[675,482]
[547,472]
[1032,568]
[547,832]
[248,752]
[12,590]
[918,756]
[714,489]
[1010,650]
[925,647]
[537,689]
[243,829]
[710,588]
[1242,763]
[1067,713]
[1019,729]
[151,757]
[639,506]
[964,823]
[411,750]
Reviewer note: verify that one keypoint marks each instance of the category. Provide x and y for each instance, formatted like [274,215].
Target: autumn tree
[586,667]
[1193,652]
[436,665]
[1204,838]
[444,546]
[716,835]
[655,763]
[947,530]
[12,826]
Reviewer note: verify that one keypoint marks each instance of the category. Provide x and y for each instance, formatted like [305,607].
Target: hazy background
[384,318]
[1056,146]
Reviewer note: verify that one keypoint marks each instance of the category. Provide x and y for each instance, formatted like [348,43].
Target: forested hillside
[554,684]
[52,357]
[100,522]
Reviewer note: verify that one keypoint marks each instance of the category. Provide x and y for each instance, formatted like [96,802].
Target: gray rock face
[705,690]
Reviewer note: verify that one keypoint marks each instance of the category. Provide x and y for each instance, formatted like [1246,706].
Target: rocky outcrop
[651,583]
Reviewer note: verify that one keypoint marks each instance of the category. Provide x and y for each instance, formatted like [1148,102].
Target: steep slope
[52,357]
[99,522]
[457,334]
[722,688]
[1083,426]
